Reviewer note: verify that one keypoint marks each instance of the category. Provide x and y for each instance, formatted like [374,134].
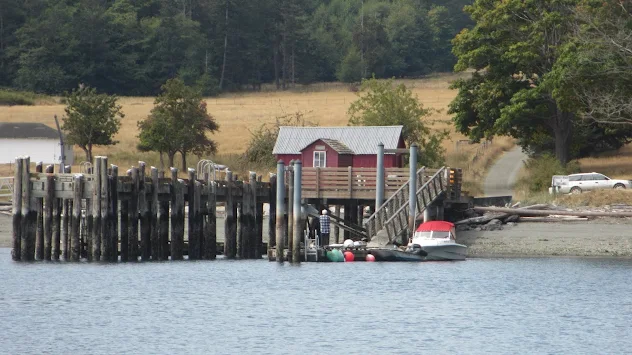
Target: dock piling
[296,244]
[280,197]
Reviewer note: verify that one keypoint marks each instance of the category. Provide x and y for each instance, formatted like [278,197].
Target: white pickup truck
[578,183]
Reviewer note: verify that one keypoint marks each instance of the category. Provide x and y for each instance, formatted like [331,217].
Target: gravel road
[503,174]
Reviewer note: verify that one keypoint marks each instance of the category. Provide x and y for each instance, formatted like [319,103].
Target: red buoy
[349,256]
[370,257]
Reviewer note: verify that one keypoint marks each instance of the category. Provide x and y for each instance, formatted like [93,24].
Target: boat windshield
[432,234]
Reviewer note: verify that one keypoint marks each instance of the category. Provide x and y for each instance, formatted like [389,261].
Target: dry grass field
[239,114]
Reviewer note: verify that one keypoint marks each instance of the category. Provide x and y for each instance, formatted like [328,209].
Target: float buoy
[349,256]
[370,257]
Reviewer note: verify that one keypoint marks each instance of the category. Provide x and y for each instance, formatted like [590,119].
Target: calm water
[480,306]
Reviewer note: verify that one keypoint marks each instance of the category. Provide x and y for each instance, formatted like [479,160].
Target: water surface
[479,306]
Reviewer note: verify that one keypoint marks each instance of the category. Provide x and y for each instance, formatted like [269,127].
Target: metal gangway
[6,186]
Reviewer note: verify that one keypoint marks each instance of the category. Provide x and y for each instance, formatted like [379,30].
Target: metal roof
[27,130]
[359,139]
[335,145]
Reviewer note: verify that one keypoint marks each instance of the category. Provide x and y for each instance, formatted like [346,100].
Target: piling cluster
[101,216]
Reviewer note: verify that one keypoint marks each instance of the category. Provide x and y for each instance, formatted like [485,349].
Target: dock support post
[95,252]
[290,206]
[51,223]
[17,209]
[29,215]
[155,228]
[412,191]
[296,244]
[125,226]
[280,211]
[177,216]
[75,253]
[66,205]
[39,234]
[272,214]
[336,228]
[145,215]
[379,183]
[113,211]
[163,223]
[230,230]
[106,235]
[249,210]
[133,216]
[193,236]
[258,219]
[210,225]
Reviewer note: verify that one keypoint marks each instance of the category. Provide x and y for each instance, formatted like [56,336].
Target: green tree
[351,67]
[91,119]
[380,103]
[178,123]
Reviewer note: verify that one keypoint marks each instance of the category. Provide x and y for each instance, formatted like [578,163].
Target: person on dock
[325,223]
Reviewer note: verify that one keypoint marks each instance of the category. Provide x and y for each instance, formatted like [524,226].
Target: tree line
[132,47]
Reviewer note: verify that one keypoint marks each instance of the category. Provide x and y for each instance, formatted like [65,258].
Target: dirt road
[503,174]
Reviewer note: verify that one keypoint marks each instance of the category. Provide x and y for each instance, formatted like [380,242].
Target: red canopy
[437,226]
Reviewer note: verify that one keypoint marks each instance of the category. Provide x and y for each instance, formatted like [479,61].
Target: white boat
[437,238]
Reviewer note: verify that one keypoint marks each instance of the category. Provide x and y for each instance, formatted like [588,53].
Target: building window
[319,159]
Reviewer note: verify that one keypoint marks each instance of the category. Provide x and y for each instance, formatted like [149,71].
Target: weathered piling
[210,221]
[113,214]
[163,224]
[192,233]
[280,211]
[197,219]
[290,205]
[248,222]
[29,215]
[124,226]
[296,244]
[145,215]
[155,228]
[412,185]
[230,228]
[51,210]
[133,215]
[75,228]
[106,217]
[258,220]
[379,183]
[95,235]
[17,209]
[39,232]
[272,213]
[177,216]
[65,207]
[336,228]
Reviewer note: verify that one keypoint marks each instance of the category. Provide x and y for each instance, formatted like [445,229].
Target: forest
[132,47]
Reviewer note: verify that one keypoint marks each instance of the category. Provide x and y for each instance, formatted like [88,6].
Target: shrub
[12,98]
[540,171]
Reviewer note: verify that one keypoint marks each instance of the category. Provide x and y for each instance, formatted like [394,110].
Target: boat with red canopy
[438,240]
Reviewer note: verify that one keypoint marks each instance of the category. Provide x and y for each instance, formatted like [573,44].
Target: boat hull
[445,252]
[396,255]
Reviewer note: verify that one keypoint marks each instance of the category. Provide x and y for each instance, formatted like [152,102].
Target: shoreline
[597,238]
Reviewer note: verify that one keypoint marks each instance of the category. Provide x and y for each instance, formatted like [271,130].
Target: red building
[329,147]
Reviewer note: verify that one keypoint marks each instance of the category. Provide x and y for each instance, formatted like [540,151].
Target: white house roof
[359,139]
[27,130]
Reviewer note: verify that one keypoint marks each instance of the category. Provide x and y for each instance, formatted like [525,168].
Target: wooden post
[198,219]
[133,216]
[49,202]
[163,223]
[66,206]
[39,234]
[272,213]
[290,206]
[145,215]
[280,212]
[336,228]
[230,230]
[241,243]
[113,213]
[156,253]
[258,220]
[96,211]
[17,209]
[249,224]
[106,232]
[29,215]
[177,216]
[125,225]
[75,253]
[296,201]
[210,228]
[349,183]
[192,237]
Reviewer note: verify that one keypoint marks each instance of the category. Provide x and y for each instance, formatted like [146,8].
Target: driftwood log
[498,214]
[533,213]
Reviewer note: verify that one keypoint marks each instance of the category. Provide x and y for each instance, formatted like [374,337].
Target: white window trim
[314,160]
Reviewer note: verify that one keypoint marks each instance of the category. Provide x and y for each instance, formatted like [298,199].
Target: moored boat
[385,254]
[438,240]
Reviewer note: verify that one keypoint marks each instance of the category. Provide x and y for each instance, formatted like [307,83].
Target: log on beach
[534,213]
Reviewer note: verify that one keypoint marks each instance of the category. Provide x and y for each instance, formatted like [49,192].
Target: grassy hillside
[238,114]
